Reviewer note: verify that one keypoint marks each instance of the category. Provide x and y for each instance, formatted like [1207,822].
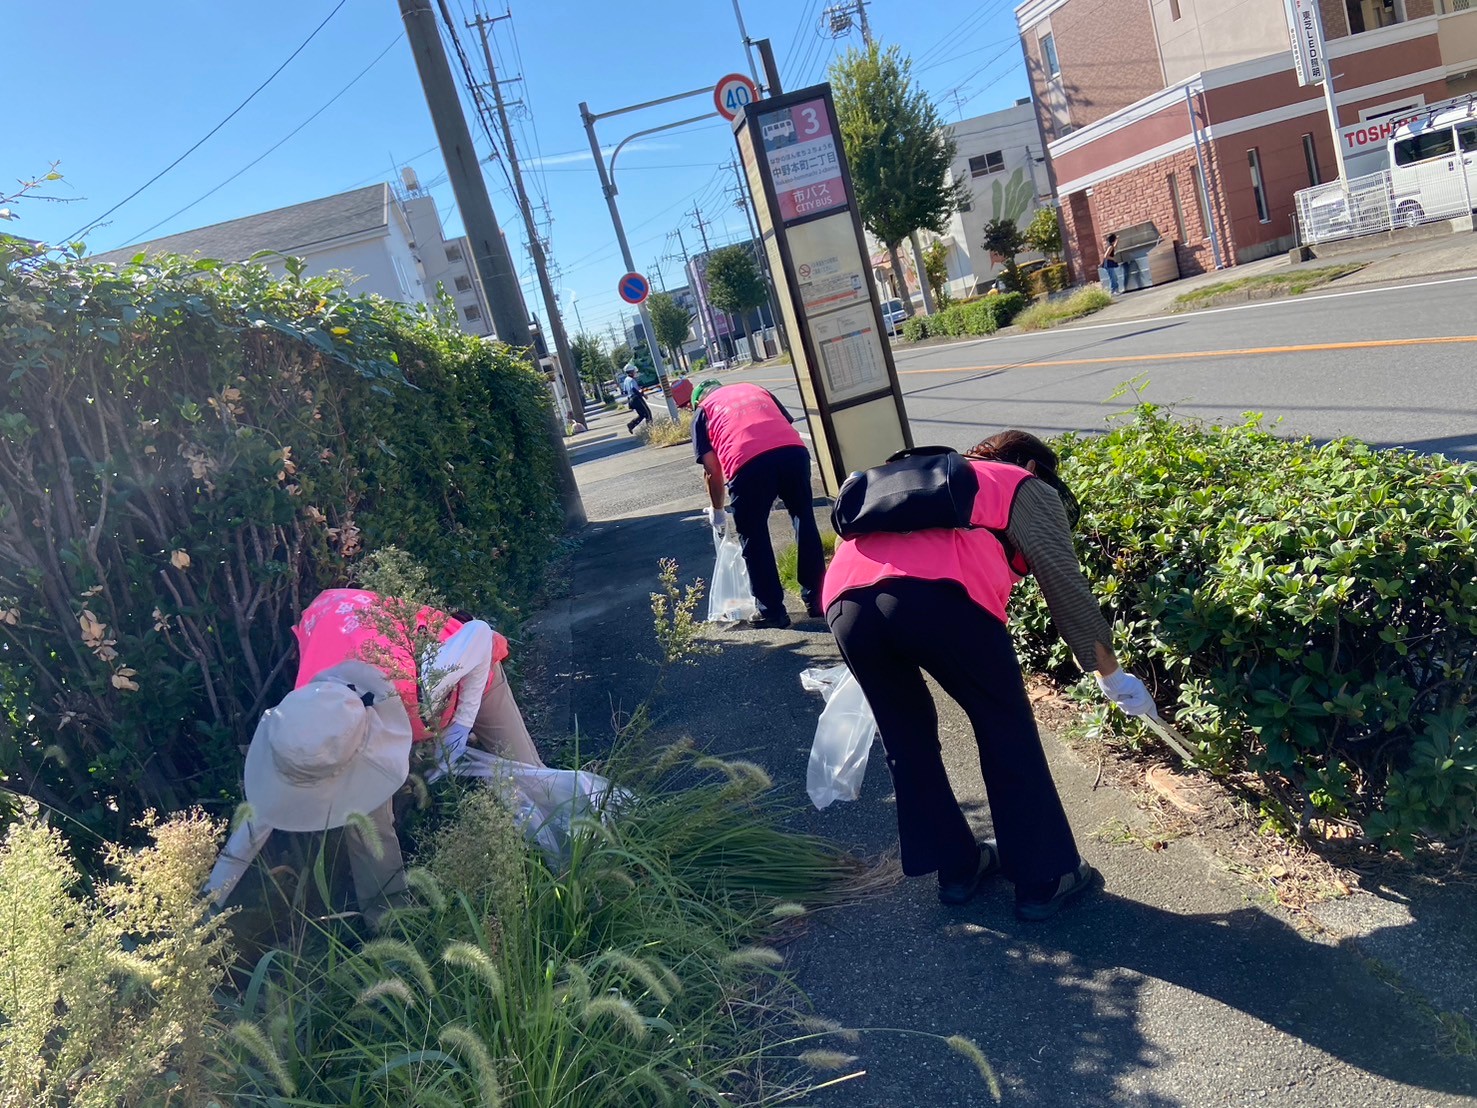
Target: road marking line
[1118,359]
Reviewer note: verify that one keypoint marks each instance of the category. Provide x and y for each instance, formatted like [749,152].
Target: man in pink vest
[749,450]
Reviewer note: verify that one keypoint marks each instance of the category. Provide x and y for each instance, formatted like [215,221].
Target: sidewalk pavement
[1177,985]
[1385,263]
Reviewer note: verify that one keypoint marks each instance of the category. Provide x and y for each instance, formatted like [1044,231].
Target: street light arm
[616,153]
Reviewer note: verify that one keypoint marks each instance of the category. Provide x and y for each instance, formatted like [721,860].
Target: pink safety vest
[743,422]
[335,628]
[974,558]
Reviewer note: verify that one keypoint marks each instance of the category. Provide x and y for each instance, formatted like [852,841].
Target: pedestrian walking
[934,600]
[749,450]
[1111,266]
[635,400]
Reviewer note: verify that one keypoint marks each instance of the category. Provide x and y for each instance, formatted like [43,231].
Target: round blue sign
[634,288]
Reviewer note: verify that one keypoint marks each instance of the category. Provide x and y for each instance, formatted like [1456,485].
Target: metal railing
[1371,204]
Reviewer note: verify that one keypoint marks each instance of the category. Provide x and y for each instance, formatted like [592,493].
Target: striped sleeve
[1038,528]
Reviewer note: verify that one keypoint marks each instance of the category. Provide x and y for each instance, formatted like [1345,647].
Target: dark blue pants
[784,475]
[892,632]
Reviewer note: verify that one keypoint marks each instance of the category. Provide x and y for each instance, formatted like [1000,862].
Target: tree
[898,148]
[591,363]
[1004,239]
[936,263]
[735,285]
[1045,234]
[620,356]
[671,322]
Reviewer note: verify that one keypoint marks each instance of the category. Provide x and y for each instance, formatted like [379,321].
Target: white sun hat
[336,746]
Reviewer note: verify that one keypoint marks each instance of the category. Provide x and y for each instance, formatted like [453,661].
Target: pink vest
[335,628]
[744,422]
[974,558]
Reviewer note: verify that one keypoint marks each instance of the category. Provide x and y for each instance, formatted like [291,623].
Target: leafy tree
[936,265]
[591,363]
[1045,234]
[735,285]
[898,148]
[620,356]
[1004,239]
[671,322]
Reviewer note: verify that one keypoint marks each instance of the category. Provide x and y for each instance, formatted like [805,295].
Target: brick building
[1187,113]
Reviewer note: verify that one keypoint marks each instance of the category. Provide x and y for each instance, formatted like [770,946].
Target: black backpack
[914,490]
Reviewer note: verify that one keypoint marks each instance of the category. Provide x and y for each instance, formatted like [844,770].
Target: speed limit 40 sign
[733,94]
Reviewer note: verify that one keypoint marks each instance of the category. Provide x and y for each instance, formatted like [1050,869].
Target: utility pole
[656,271]
[489,250]
[708,331]
[743,200]
[535,243]
[701,226]
[838,18]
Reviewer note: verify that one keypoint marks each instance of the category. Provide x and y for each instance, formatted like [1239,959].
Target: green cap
[706,387]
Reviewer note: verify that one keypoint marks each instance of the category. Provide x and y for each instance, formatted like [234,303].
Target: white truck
[1433,163]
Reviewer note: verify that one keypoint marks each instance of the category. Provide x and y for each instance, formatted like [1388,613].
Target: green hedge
[982,316]
[1047,279]
[1307,612]
[188,452]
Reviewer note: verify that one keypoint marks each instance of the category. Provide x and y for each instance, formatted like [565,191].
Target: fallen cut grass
[667,432]
[1278,284]
[1053,313]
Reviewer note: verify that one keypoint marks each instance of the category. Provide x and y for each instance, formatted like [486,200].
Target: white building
[394,249]
[1000,158]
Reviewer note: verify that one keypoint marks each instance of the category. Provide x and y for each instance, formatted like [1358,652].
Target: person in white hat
[335,747]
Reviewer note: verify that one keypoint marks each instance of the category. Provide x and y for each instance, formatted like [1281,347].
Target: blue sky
[115,92]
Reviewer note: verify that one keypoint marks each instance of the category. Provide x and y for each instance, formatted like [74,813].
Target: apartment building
[1188,114]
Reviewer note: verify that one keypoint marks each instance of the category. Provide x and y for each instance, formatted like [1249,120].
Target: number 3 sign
[733,94]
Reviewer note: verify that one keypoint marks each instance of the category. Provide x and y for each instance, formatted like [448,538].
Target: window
[1310,155]
[1369,15]
[454,252]
[1174,10]
[1048,55]
[1467,135]
[472,311]
[1254,163]
[1425,146]
[1202,201]
[464,284]
[993,162]
[1179,208]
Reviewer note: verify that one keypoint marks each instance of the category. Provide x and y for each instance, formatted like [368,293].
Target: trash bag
[545,802]
[843,738]
[730,596]
[824,679]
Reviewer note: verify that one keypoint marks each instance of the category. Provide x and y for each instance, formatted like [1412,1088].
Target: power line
[234,112]
[143,235]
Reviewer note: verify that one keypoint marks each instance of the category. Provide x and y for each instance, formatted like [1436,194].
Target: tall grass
[667,432]
[788,560]
[1052,313]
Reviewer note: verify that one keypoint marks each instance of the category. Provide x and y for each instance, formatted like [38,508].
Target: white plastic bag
[545,802]
[823,679]
[730,596]
[843,739]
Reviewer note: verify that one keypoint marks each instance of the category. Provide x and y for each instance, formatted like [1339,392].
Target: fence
[1368,205]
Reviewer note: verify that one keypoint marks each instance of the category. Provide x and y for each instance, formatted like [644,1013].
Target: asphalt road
[1393,366]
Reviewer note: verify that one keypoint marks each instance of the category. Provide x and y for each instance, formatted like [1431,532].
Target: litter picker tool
[1171,736]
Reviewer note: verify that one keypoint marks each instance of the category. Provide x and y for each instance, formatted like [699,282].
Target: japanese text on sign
[802,157]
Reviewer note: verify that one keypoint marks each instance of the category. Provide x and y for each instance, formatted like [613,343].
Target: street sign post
[634,288]
[791,151]
[734,93]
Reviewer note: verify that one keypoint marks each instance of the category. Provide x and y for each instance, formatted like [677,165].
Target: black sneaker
[777,619]
[962,892]
[815,611]
[1037,904]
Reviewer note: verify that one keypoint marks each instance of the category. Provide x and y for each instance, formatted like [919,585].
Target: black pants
[889,633]
[782,474]
[637,404]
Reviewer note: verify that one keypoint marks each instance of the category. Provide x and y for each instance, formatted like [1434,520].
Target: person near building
[751,453]
[315,759]
[935,601]
[635,400]
[1111,267]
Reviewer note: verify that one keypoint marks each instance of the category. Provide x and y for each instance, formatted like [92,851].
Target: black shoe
[1035,904]
[962,892]
[777,619]
[815,611]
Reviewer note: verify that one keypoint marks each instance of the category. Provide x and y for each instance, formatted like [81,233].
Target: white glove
[717,519]
[1128,692]
[453,745]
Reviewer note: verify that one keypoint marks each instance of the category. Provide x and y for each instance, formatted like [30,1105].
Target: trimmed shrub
[1309,612]
[1047,279]
[915,328]
[189,452]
